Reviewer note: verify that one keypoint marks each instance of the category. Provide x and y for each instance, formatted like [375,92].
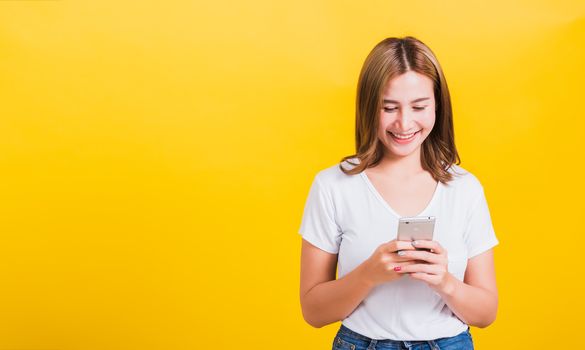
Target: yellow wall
[155,158]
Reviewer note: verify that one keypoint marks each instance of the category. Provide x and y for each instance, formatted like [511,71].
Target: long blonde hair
[388,59]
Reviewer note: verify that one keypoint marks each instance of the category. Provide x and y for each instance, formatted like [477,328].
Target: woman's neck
[401,167]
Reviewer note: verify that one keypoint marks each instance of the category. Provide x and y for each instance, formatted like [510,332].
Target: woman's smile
[403,138]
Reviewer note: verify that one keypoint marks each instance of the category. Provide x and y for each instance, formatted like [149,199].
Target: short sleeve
[318,224]
[479,234]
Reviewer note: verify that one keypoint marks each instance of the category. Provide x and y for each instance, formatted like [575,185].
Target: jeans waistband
[343,329]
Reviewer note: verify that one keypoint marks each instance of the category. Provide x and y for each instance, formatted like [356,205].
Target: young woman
[390,294]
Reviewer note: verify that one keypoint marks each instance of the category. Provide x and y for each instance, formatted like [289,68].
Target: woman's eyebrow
[416,100]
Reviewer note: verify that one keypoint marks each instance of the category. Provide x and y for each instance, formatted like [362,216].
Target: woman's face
[408,114]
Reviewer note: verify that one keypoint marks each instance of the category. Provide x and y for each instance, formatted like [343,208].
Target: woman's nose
[403,120]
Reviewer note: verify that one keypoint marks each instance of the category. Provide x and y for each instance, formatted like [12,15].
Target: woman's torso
[404,309]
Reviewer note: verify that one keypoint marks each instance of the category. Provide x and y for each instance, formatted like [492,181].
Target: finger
[422,277]
[425,256]
[402,245]
[434,245]
[404,255]
[403,258]
[414,268]
[412,262]
[395,246]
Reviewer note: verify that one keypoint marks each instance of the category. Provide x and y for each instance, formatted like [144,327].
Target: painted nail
[401,253]
[397,268]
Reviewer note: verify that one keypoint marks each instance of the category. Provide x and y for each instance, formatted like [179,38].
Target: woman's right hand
[379,267]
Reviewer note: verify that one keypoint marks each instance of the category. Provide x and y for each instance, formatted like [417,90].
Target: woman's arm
[324,299]
[474,301]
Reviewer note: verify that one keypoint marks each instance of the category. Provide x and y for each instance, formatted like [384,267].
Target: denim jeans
[346,339]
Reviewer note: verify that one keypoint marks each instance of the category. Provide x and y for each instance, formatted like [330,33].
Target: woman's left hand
[432,268]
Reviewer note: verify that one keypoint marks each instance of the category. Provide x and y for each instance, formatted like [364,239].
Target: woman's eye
[392,109]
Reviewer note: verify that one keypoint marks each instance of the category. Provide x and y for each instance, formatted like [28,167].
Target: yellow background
[156,157]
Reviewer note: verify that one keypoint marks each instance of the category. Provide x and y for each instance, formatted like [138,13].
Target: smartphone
[416,228]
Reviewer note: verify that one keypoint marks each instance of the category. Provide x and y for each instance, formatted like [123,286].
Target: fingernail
[401,253]
[414,242]
[397,268]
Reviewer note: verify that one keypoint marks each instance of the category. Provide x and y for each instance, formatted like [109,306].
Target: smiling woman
[403,125]
[402,79]
[393,294]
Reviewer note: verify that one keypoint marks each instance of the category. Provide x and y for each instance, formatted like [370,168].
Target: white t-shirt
[346,215]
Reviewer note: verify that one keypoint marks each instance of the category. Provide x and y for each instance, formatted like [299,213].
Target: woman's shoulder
[464,180]
[334,175]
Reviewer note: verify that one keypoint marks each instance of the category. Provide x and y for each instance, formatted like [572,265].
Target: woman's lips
[402,140]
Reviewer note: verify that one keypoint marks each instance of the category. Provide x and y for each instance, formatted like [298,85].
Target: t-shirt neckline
[388,207]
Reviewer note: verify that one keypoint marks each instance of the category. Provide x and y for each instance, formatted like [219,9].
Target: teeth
[402,136]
